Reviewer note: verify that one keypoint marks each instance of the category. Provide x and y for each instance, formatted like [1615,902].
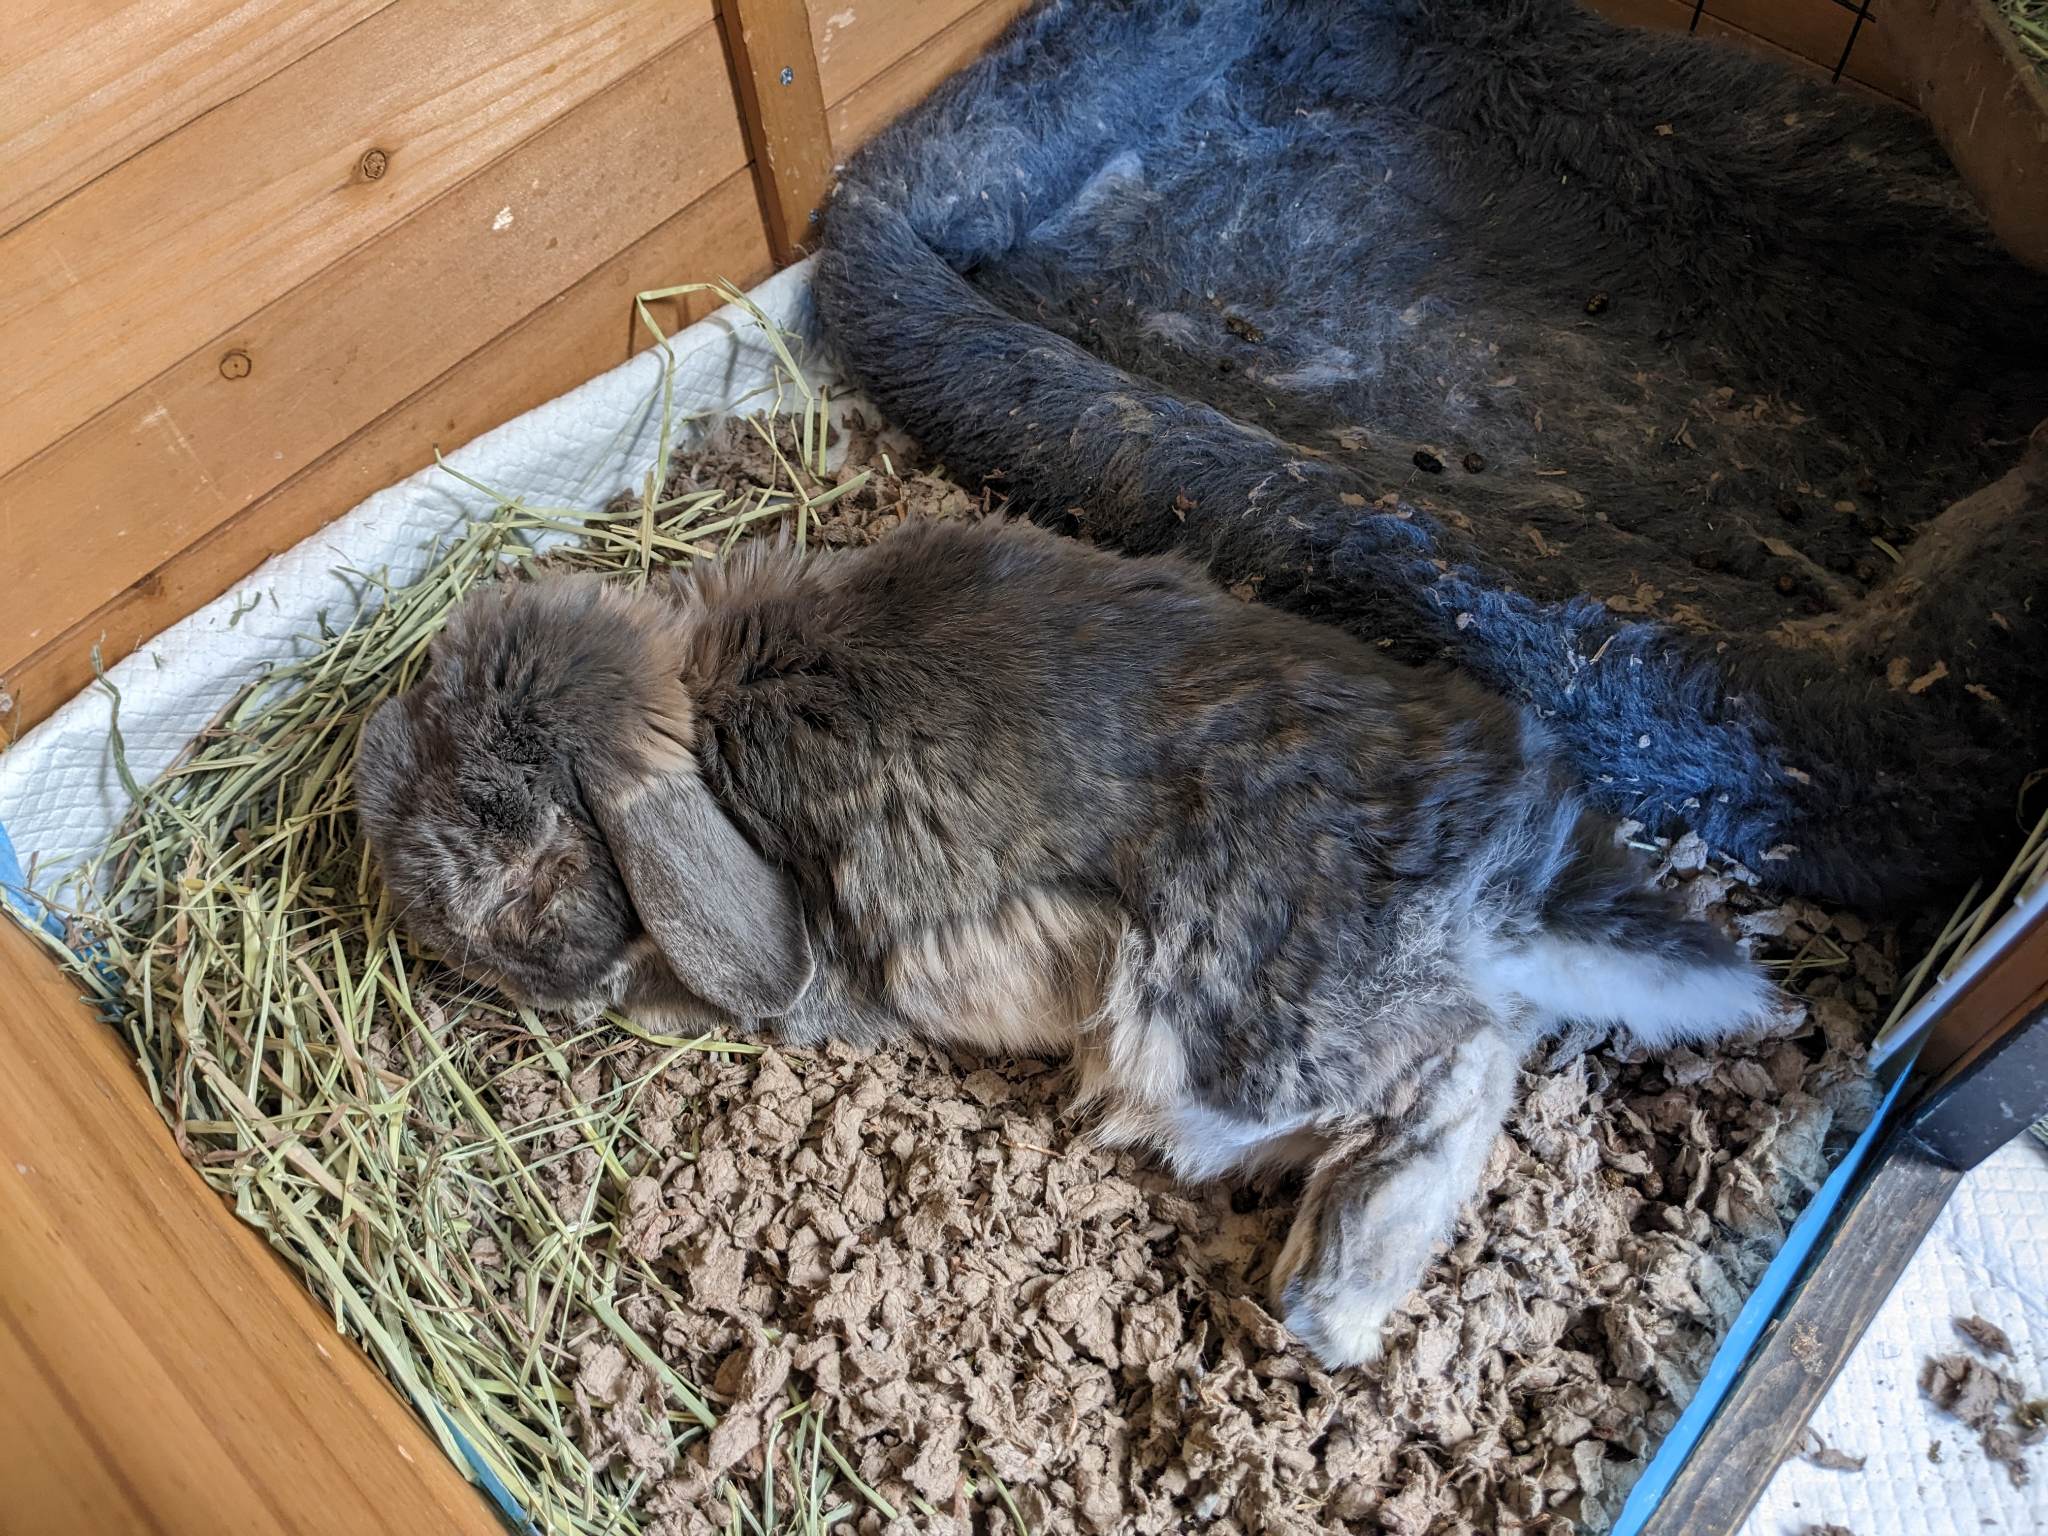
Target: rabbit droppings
[1283,900]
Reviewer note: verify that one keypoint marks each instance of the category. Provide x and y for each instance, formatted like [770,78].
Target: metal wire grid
[1857,9]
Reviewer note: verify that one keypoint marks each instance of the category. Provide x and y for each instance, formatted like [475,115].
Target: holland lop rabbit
[1284,901]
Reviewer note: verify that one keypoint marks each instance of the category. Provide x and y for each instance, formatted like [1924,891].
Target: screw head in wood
[788,75]
[235,365]
[373,164]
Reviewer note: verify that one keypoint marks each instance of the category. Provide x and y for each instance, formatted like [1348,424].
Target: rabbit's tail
[1607,950]
[1663,998]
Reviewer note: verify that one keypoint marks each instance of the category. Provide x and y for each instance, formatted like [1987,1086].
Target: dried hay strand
[2029,22]
[543,1230]
[445,1170]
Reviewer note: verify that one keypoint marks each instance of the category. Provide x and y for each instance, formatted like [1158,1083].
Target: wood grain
[1990,1003]
[33,1440]
[1764,1417]
[910,79]
[84,84]
[556,346]
[163,1371]
[1988,106]
[784,113]
[129,274]
[192,448]
[855,40]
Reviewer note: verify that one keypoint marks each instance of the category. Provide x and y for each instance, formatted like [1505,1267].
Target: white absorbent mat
[60,795]
[1987,1256]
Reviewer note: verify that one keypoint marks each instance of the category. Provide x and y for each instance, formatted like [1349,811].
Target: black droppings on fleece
[1747,377]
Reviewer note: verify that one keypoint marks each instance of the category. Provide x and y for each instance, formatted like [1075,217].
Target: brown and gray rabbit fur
[1283,900]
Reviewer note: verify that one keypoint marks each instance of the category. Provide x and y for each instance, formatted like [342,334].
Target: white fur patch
[1346,1266]
[1205,1143]
[1662,1002]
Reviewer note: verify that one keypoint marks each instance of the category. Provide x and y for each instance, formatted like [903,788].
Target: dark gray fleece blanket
[1673,393]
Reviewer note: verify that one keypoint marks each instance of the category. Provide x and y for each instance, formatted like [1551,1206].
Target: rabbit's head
[535,809]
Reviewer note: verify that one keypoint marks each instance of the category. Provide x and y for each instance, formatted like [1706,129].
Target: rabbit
[1285,902]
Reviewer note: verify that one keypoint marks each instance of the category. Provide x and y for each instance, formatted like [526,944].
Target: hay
[2029,22]
[420,1151]
[666,1285]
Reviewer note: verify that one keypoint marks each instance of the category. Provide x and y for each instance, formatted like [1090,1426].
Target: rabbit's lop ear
[724,918]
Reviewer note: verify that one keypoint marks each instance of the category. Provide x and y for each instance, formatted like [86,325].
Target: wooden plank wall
[160,1370]
[259,258]
[258,297]
[1989,106]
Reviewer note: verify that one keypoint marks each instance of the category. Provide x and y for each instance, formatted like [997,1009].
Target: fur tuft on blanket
[1683,397]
